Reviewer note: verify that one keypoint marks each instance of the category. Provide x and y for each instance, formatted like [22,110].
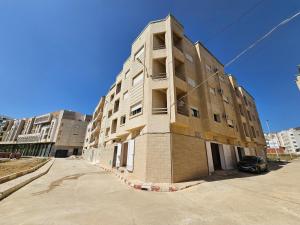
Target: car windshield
[250,158]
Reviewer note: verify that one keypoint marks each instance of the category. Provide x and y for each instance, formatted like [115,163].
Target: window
[208,68]
[119,86]
[127,73]
[191,82]
[107,131]
[109,113]
[225,98]
[189,58]
[123,120]
[112,97]
[217,118]
[125,95]
[241,110]
[116,105]
[138,79]
[253,132]
[249,115]
[245,100]
[195,112]
[114,126]
[230,123]
[139,53]
[245,130]
[212,90]
[222,78]
[136,109]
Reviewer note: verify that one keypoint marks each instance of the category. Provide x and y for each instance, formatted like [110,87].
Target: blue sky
[64,54]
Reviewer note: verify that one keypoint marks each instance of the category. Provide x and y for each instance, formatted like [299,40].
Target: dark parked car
[253,164]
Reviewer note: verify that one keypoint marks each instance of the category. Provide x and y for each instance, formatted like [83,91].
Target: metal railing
[157,47]
[160,110]
[180,76]
[159,76]
[183,110]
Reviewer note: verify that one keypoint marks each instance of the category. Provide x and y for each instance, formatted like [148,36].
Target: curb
[149,186]
[22,173]
[13,189]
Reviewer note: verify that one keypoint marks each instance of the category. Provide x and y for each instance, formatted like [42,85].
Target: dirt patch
[14,166]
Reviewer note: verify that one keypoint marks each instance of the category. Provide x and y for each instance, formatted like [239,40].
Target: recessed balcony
[159,69]
[180,70]
[159,102]
[182,104]
[159,41]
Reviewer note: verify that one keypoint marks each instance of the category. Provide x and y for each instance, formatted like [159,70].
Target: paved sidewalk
[77,193]
[13,185]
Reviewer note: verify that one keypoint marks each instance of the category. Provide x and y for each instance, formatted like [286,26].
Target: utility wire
[235,21]
[241,54]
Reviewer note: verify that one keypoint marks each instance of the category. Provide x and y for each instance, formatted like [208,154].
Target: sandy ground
[75,192]
[15,166]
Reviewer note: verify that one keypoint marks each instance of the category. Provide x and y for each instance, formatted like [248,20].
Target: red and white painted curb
[149,186]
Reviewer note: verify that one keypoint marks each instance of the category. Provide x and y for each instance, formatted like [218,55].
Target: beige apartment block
[58,134]
[158,125]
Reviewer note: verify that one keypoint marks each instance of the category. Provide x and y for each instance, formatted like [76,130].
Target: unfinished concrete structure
[158,127]
[58,134]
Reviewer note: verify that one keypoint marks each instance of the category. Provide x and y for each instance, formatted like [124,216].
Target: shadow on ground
[233,174]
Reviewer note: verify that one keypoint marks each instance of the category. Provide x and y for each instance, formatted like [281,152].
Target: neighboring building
[298,77]
[157,128]
[57,134]
[272,140]
[290,140]
[3,125]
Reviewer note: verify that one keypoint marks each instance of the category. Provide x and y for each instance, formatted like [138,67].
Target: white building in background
[272,140]
[288,139]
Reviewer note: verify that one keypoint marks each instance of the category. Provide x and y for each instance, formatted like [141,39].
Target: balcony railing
[182,110]
[180,76]
[157,47]
[159,76]
[159,111]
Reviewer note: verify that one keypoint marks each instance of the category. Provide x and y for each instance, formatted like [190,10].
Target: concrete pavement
[75,192]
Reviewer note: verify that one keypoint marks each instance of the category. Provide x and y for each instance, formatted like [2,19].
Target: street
[76,192]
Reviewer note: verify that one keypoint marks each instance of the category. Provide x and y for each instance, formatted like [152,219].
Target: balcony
[116,105]
[180,70]
[159,69]
[159,41]
[159,102]
[178,42]
[182,104]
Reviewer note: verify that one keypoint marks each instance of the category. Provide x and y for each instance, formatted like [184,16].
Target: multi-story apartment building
[159,125]
[298,77]
[272,140]
[57,134]
[290,140]
[3,124]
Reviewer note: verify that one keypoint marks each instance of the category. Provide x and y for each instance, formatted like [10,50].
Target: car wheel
[267,169]
[258,170]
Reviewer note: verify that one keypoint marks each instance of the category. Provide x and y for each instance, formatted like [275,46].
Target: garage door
[61,153]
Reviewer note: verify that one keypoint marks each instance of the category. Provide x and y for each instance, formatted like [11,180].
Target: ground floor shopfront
[169,157]
[42,149]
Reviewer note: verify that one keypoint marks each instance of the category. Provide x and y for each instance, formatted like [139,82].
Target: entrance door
[115,156]
[124,154]
[216,156]
[75,151]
